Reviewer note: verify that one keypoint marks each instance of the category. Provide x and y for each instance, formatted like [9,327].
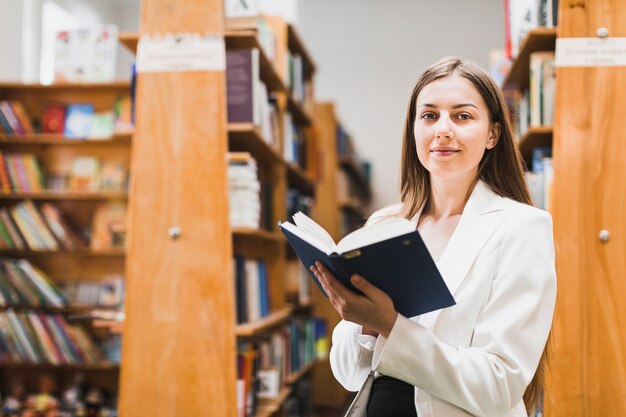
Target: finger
[369,290]
[334,283]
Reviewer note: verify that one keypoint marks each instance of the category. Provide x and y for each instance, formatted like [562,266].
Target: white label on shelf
[590,52]
[241,8]
[181,52]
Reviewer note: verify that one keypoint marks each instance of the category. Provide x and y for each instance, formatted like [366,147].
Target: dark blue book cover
[400,266]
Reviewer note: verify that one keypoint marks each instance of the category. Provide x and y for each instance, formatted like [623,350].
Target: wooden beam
[178,356]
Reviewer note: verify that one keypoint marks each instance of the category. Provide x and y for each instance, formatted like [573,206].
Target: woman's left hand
[373,310]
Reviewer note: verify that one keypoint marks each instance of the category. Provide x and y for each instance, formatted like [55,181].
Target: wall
[11,35]
[369,54]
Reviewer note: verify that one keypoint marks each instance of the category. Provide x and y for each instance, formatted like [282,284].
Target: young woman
[463,187]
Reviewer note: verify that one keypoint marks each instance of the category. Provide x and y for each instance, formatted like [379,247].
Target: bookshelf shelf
[67,195]
[350,165]
[105,366]
[354,207]
[538,39]
[298,178]
[295,44]
[120,138]
[295,377]
[535,137]
[115,85]
[245,137]
[88,253]
[267,408]
[257,235]
[266,323]
[72,309]
[300,116]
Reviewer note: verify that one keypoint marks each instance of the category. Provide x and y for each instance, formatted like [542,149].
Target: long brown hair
[501,167]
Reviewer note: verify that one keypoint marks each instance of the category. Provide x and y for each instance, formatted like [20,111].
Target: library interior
[172,173]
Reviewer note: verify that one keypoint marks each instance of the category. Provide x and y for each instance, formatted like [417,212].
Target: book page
[310,238]
[309,225]
[377,232]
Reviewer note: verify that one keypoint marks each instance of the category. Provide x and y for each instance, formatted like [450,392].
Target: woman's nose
[443,128]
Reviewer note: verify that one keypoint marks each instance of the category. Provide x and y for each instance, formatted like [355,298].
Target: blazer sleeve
[351,355]
[490,376]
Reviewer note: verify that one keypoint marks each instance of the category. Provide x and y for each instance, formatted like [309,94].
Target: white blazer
[478,356]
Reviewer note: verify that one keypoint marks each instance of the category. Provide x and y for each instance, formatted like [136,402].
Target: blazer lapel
[481,216]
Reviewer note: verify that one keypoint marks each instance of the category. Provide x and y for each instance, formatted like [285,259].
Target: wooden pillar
[178,356]
[587,375]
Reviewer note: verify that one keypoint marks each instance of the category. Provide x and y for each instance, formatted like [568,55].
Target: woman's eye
[464,116]
[429,116]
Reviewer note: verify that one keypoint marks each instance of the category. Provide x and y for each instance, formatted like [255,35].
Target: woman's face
[452,128]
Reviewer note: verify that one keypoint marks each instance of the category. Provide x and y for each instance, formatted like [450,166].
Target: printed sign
[590,52]
[181,52]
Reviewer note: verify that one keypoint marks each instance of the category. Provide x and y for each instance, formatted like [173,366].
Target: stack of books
[24,285]
[243,191]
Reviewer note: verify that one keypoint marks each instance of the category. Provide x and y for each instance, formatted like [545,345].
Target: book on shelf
[542,88]
[32,337]
[244,190]
[109,226]
[53,119]
[390,254]
[23,284]
[251,289]
[106,292]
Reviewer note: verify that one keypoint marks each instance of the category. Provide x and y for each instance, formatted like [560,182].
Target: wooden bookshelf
[104,366]
[586,374]
[537,39]
[296,45]
[66,195]
[56,153]
[352,167]
[295,377]
[202,257]
[268,408]
[258,327]
[245,137]
[535,137]
[84,253]
[121,138]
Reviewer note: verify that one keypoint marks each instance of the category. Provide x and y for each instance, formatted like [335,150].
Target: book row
[72,120]
[26,226]
[534,107]
[264,367]
[251,289]
[37,338]
[540,178]
[23,284]
[24,173]
[523,15]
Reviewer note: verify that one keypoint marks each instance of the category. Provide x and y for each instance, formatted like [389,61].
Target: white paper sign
[181,52]
[241,8]
[590,52]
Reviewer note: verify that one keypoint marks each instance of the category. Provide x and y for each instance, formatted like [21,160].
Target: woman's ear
[494,135]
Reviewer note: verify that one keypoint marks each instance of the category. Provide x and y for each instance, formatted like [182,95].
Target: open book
[390,254]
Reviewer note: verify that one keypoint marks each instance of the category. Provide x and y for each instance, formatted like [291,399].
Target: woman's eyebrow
[456,106]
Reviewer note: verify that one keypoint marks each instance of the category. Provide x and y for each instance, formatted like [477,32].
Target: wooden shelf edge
[247,138]
[295,43]
[300,116]
[292,379]
[124,137]
[113,85]
[535,137]
[85,253]
[531,43]
[260,326]
[129,40]
[66,195]
[268,407]
[244,232]
[105,366]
